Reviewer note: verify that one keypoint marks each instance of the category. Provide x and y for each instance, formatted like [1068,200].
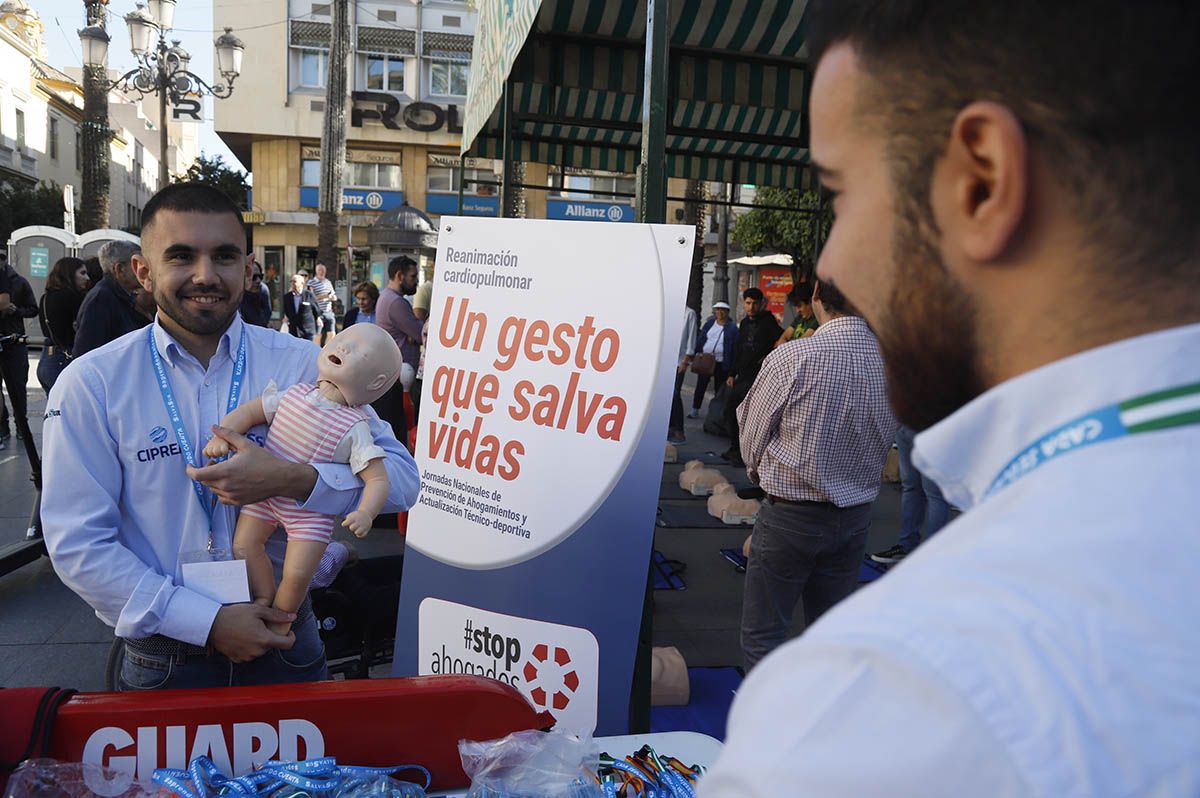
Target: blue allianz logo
[158,434]
[588,210]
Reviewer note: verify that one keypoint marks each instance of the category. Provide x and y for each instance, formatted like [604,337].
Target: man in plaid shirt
[816,427]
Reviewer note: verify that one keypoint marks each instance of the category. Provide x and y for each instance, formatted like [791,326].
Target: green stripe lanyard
[1173,407]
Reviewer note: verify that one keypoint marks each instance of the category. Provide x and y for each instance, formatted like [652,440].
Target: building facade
[41,109]
[408,69]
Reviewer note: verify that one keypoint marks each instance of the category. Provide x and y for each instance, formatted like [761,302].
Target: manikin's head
[362,361]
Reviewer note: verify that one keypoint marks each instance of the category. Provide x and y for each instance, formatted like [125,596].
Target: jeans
[920,497]
[304,662]
[718,379]
[329,328]
[14,369]
[676,422]
[741,387]
[806,554]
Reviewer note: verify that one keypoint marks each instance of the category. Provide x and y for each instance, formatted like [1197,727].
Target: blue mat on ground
[667,572]
[712,692]
[870,570]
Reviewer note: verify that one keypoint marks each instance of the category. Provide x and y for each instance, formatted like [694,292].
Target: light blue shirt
[118,510]
[1045,643]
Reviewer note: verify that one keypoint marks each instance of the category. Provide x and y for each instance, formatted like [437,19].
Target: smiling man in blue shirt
[121,511]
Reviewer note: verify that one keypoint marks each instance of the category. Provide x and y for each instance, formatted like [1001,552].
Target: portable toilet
[33,251]
[90,242]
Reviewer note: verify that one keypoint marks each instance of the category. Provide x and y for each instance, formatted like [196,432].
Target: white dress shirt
[118,509]
[687,341]
[1045,643]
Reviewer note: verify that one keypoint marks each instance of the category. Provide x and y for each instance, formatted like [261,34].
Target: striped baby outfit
[302,432]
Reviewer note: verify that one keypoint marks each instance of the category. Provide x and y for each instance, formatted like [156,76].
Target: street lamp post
[160,69]
[94,134]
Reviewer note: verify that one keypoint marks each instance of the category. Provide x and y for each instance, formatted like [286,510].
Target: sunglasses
[256,277]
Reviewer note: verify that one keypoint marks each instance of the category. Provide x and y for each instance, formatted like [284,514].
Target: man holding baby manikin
[136,522]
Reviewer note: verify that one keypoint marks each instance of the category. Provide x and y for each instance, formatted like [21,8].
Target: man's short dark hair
[189,197]
[1099,86]
[753,293]
[401,264]
[801,294]
[833,299]
[94,270]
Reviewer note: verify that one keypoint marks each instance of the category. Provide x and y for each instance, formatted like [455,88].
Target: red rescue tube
[376,722]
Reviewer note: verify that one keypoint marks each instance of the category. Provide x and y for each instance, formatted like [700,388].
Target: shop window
[597,187]
[310,173]
[272,265]
[445,179]
[448,78]
[382,72]
[374,175]
[313,68]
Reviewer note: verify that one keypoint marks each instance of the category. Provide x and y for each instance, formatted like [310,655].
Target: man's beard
[927,333]
[197,322]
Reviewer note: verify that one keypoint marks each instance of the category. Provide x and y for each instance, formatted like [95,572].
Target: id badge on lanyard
[212,571]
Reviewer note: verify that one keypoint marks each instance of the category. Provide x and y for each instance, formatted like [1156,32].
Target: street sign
[187,109]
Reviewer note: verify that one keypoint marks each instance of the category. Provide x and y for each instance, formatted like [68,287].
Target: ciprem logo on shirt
[163,450]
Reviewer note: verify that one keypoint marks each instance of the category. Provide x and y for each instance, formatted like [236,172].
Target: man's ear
[984,181]
[141,270]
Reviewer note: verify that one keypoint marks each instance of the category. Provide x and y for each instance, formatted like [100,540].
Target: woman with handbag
[717,343]
[66,285]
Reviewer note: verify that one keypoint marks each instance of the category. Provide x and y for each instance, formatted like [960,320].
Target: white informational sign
[550,362]
[555,666]
[530,411]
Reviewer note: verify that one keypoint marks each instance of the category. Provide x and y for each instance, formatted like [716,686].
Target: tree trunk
[333,141]
[693,214]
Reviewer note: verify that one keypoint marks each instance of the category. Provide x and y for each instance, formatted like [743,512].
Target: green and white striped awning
[738,89]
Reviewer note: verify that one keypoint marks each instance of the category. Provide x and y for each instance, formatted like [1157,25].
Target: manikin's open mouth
[335,360]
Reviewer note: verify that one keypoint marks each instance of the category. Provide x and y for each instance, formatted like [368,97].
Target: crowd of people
[84,305]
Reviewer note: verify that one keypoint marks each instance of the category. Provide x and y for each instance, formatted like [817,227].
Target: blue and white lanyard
[313,777]
[1173,407]
[168,397]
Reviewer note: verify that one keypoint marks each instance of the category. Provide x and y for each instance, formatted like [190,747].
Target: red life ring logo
[552,681]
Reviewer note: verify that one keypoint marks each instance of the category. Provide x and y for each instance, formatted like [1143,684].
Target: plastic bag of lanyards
[49,778]
[532,764]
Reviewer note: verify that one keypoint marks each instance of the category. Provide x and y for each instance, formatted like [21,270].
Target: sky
[62,20]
